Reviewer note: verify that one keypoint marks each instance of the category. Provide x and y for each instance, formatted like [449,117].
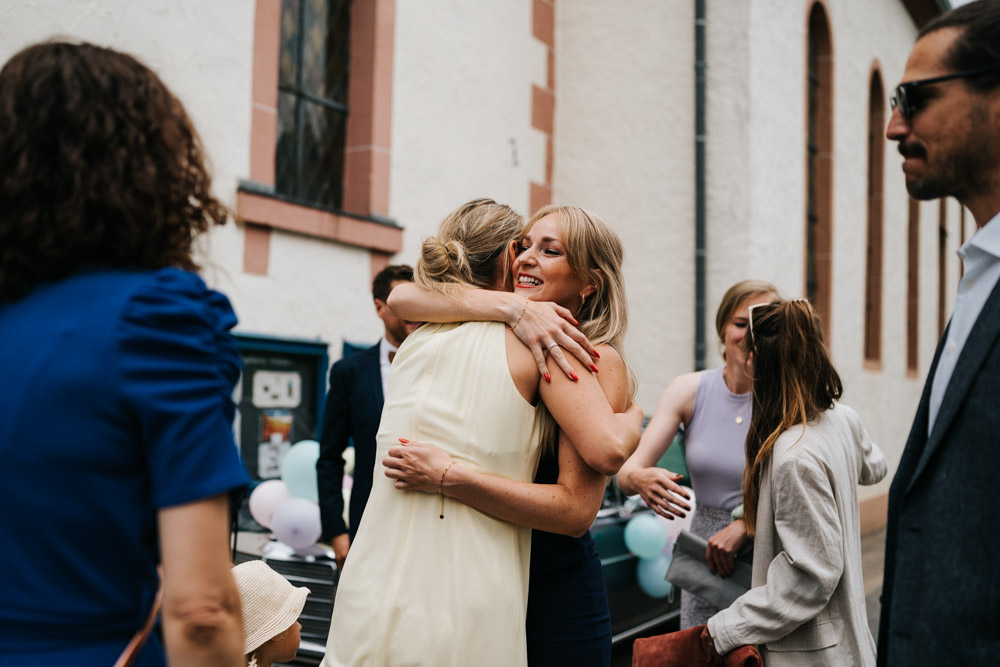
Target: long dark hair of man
[793,381]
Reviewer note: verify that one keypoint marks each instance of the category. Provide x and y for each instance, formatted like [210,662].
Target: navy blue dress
[569,622]
[116,402]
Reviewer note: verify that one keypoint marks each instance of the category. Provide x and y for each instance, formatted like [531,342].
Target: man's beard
[961,171]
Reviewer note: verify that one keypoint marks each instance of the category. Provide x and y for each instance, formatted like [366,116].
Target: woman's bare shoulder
[610,357]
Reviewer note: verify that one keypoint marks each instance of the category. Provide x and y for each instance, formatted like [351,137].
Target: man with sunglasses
[941,591]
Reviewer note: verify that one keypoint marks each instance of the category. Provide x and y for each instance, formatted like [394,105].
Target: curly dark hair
[100,167]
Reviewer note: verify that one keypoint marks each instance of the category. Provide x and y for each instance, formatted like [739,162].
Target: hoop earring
[583,299]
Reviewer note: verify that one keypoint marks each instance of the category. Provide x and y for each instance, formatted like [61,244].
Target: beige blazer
[807,604]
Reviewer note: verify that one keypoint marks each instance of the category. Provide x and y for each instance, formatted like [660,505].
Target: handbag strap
[134,647]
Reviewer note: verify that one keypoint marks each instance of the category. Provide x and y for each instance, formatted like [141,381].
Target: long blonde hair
[595,254]
[468,245]
[793,381]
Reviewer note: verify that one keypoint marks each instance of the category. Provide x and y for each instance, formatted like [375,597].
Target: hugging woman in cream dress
[431,581]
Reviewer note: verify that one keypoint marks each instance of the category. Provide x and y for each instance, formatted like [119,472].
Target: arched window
[912,285]
[819,165]
[873,263]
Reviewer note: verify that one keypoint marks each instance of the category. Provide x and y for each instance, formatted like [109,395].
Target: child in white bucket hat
[271,608]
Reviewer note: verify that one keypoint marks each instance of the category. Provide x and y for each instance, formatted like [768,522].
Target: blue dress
[569,622]
[116,401]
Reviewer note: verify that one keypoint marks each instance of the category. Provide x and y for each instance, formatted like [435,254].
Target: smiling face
[542,271]
[949,145]
[736,328]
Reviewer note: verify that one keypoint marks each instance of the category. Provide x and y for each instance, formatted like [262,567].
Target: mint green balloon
[645,535]
[651,572]
[298,470]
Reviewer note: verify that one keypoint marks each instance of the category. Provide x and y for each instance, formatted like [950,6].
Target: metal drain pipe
[699,185]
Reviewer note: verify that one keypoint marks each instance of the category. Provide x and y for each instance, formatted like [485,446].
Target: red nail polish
[548,378]
[593,368]
[596,355]
[404,440]
[575,378]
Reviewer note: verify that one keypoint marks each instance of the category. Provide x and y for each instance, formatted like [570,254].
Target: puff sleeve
[178,366]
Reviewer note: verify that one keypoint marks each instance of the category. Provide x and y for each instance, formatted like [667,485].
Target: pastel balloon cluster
[651,538]
[288,506]
[646,537]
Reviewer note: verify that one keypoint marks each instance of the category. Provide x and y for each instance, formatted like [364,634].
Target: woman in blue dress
[568,265]
[116,411]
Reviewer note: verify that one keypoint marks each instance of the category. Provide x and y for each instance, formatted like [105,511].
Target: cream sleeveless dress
[418,589]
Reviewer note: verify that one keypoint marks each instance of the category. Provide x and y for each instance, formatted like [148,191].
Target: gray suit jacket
[941,592]
[807,606]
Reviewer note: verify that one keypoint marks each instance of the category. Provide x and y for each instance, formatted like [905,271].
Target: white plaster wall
[863,33]
[204,52]
[461,126]
[314,290]
[624,148]
[201,50]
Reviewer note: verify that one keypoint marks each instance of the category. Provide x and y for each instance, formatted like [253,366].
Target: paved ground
[872,558]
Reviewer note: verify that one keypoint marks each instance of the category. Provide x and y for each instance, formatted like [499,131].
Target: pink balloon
[296,523]
[266,498]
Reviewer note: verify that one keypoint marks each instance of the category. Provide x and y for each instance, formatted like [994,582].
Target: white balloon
[266,498]
[349,461]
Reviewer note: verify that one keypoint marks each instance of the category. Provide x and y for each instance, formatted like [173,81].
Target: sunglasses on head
[908,98]
[768,303]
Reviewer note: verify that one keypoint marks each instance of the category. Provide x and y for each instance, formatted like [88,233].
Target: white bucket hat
[270,604]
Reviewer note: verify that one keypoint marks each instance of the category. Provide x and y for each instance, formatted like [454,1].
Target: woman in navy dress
[116,409]
[568,267]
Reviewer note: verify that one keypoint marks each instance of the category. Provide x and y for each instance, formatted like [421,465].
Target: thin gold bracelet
[441,487]
[518,320]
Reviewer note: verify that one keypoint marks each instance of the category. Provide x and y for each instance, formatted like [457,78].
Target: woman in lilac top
[714,407]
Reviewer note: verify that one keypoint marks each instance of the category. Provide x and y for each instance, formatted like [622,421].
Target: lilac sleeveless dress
[714,442]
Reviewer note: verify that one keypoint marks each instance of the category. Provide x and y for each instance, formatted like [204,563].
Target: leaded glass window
[312,100]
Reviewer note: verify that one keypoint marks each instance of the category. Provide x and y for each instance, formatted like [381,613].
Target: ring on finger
[551,345]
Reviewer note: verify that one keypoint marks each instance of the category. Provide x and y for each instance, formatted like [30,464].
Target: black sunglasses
[908,98]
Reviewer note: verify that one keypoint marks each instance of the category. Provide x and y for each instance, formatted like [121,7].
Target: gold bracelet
[518,320]
[441,487]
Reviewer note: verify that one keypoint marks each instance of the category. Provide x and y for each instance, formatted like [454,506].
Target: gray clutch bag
[689,570]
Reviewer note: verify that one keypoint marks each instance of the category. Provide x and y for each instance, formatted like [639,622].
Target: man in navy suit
[353,411]
[941,591]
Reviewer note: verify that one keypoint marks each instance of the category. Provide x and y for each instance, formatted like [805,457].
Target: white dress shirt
[384,348]
[981,259]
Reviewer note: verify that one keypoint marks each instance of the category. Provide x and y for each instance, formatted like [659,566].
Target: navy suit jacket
[941,587]
[353,411]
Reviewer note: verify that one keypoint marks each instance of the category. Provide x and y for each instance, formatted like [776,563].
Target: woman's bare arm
[567,507]
[657,486]
[537,324]
[604,439]
[202,622]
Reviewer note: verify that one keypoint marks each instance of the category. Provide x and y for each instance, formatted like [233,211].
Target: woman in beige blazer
[806,454]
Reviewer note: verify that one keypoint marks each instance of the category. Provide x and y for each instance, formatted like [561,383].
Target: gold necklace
[739,418]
